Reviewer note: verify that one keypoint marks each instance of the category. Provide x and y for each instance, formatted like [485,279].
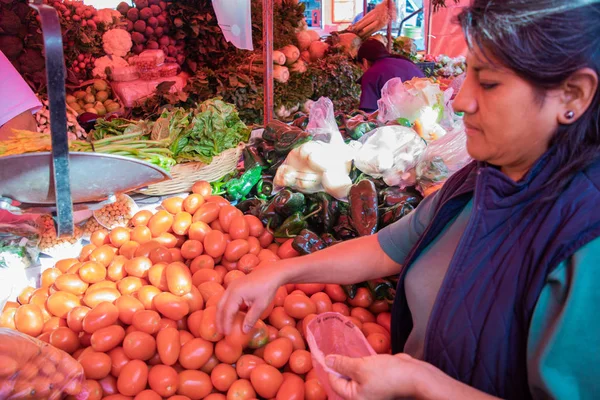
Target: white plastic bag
[235,20]
[332,333]
[321,122]
[390,152]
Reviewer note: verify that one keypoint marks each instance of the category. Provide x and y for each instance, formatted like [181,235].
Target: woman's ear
[577,93]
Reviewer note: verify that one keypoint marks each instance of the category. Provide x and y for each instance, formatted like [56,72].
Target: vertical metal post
[389,27]
[365,7]
[268,59]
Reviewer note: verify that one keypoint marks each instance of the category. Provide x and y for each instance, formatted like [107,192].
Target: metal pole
[389,27]
[365,6]
[268,58]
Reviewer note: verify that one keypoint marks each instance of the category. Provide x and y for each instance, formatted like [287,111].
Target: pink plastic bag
[332,333]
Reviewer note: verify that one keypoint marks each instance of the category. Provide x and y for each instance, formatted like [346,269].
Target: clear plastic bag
[321,122]
[235,21]
[32,369]
[332,333]
[19,242]
[441,159]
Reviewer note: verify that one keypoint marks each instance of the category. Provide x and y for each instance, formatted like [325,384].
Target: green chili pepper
[329,239]
[307,242]
[364,207]
[238,188]
[253,157]
[350,290]
[330,211]
[292,226]
[251,206]
[343,229]
[264,188]
[381,289]
[404,122]
[290,140]
[396,212]
[288,202]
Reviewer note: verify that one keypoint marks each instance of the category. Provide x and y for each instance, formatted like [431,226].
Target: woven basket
[185,175]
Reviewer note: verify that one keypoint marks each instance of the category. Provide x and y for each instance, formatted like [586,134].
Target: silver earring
[570,115]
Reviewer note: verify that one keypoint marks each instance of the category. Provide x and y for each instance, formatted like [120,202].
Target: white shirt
[16,96]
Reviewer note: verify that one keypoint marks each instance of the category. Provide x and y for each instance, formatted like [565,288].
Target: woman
[498,270]
[17,101]
[380,66]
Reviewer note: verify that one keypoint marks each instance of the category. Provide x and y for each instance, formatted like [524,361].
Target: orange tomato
[266,380]
[241,390]
[223,376]
[103,315]
[64,339]
[310,288]
[103,255]
[236,249]
[160,222]
[379,342]
[71,283]
[86,250]
[314,391]
[341,308]
[206,275]
[191,249]
[146,295]
[292,388]
[179,278]
[128,306]
[157,275]
[207,213]
[300,362]
[239,228]
[160,254]
[208,327]
[212,396]
[54,323]
[198,231]
[164,380]
[215,243]
[138,267]
[266,255]
[119,236]
[202,188]
[231,276]
[167,240]
[29,320]
[168,345]
[95,365]
[106,339]
[370,327]
[146,248]
[147,395]
[173,204]
[99,237]
[194,299]
[141,218]
[60,303]
[181,223]
[116,270]
[226,215]
[286,250]
[278,352]
[49,277]
[102,285]
[171,306]
[298,306]
[184,337]
[246,364]
[139,346]
[363,298]
[142,234]
[92,272]
[362,315]
[385,319]
[64,265]
[210,289]
[254,244]
[118,360]
[306,321]
[294,335]
[133,378]
[228,353]
[75,318]
[322,302]
[279,318]
[192,203]
[247,263]
[255,226]
[195,353]
[146,321]
[194,384]
[128,249]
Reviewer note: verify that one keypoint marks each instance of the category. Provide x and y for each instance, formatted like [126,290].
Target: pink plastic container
[333,333]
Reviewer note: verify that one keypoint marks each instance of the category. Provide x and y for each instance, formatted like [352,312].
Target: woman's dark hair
[373,50]
[545,42]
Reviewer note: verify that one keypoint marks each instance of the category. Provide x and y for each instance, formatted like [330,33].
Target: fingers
[227,308]
[344,388]
[346,366]
[253,314]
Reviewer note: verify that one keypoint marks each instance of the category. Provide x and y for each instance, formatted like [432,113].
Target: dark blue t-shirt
[377,76]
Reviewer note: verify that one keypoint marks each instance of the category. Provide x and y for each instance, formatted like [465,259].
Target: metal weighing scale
[60,181]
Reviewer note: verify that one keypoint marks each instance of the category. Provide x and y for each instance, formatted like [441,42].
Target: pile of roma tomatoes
[137,309]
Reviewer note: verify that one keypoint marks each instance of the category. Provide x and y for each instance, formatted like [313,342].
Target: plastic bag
[390,152]
[19,244]
[32,369]
[322,124]
[235,21]
[332,333]
[441,159]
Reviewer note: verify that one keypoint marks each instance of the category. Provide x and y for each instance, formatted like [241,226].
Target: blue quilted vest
[478,328]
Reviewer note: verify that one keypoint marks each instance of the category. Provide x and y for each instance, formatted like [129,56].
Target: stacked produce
[137,308]
[42,119]
[96,98]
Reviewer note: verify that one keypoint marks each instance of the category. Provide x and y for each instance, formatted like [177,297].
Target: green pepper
[251,206]
[293,224]
[343,229]
[340,119]
[329,239]
[264,188]
[357,128]
[253,157]
[288,202]
[289,140]
[381,289]
[329,214]
[364,207]
[391,196]
[308,242]
[238,188]
[350,290]
[404,122]
[269,217]
[301,122]
[396,212]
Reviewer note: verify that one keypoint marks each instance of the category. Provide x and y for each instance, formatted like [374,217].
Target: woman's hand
[256,290]
[376,377]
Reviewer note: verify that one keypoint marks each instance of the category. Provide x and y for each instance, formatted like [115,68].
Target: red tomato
[341,308]
[223,376]
[298,306]
[128,249]
[119,236]
[278,352]
[147,395]
[157,275]
[103,255]
[64,339]
[246,364]
[207,213]
[385,319]
[362,315]
[286,250]
[247,263]
[194,299]
[133,378]
[206,275]
[181,223]
[314,391]
[160,222]
[226,215]
[255,226]
[322,302]
[103,315]
[379,306]
[191,249]
[379,342]
[118,360]
[363,298]
[163,380]
[179,278]
[60,303]
[171,306]
[160,255]
[92,299]
[75,318]
[195,353]
[109,386]
[335,293]
[147,321]
[215,243]
[95,365]
[294,335]
[194,384]
[53,323]
[265,239]
[228,353]
[239,228]
[231,276]
[173,204]
[241,390]
[266,380]
[203,188]
[192,203]
[145,249]
[29,320]
[310,288]
[184,337]
[238,337]
[139,346]
[198,231]
[128,306]
[300,362]
[138,267]
[146,295]
[208,327]
[279,318]
[370,327]
[236,249]
[116,270]
[292,388]
[168,345]
[210,289]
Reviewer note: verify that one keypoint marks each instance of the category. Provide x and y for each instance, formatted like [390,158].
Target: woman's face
[508,125]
